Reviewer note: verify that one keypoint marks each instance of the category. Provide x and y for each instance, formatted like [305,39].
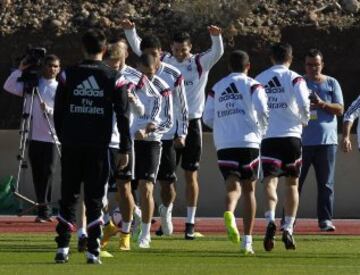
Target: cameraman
[42,149]
[320,137]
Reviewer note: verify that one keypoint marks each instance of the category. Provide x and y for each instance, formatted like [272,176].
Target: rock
[312,17]
[55,23]
[5,3]
[351,6]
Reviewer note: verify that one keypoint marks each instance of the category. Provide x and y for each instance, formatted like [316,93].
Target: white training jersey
[352,113]
[129,78]
[236,109]
[288,101]
[194,69]
[40,130]
[173,78]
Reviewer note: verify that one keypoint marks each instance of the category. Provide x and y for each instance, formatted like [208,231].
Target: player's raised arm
[131,36]
[209,58]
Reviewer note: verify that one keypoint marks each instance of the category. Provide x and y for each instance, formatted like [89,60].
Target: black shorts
[241,162]
[116,173]
[167,169]
[281,156]
[147,159]
[190,155]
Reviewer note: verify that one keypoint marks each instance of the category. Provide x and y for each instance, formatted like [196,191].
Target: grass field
[34,253]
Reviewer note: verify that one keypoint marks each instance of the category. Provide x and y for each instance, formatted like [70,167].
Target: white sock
[191,211]
[145,230]
[289,224]
[63,250]
[81,231]
[170,207]
[106,218]
[125,227]
[137,211]
[270,216]
[246,241]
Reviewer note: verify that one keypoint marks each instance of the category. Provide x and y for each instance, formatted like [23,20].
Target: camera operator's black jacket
[85,100]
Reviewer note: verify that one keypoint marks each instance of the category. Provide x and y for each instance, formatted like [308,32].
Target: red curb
[14,224]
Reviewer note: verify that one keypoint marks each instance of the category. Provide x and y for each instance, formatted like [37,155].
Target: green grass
[34,253]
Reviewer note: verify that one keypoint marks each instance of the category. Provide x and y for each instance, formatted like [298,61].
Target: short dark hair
[281,52]
[181,37]
[150,42]
[94,41]
[147,60]
[238,61]
[314,53]
[50,58]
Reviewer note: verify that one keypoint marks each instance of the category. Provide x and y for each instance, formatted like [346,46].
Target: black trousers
[43,160]
[90,166]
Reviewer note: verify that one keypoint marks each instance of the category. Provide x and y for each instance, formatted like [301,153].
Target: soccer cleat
[247,250]
[288,240]
[231,228]
[159,232]
[144,242]
[124,241]
[61,258]
[92,259]
[167,227]
[269,240]
[110,230]
[39,219]
[189,231]
[106,254]
[82,243]
[327,226]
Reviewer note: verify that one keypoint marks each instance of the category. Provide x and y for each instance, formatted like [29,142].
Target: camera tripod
[25,129]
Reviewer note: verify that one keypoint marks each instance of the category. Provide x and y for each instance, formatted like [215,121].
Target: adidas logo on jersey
[89,87]
[274,86]
[230,93]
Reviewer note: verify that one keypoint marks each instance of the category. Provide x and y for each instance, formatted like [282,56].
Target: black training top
[86,97]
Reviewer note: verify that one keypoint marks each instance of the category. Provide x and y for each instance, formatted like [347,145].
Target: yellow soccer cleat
[231,228]
[109,230]
[124,242]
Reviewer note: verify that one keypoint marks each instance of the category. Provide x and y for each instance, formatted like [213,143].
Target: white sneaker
[247,249]
[166,220]
[144,242]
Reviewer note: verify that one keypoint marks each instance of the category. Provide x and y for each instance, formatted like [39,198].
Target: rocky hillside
[251,25]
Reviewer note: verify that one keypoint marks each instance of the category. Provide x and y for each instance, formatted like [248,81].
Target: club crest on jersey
[189,68]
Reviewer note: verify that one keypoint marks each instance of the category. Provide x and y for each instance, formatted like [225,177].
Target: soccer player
[288,101]
[236,109]
[147,145]
[352,113]
[86,98]
[174,79]
[195,69]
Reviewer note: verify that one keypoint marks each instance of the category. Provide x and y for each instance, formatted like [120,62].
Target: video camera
[33,58]
[313,97]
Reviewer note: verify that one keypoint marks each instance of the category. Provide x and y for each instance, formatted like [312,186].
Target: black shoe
[159,232]
[82,243]
[288,240]
[61,258]
[189,231]
[269,240]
